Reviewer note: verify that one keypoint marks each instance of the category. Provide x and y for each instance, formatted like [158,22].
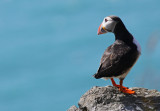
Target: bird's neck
[121,33]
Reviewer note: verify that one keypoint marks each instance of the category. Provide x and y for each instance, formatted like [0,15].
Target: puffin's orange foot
[126,90]
[118,86]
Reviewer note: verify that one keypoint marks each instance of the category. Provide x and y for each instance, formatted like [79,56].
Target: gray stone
[109,98]
[73,108]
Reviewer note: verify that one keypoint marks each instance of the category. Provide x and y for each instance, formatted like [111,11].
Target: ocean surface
[49,49]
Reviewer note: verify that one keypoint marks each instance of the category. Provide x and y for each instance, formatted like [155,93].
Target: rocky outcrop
[109,98]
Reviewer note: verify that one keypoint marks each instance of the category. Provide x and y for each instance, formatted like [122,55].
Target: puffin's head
[108,25]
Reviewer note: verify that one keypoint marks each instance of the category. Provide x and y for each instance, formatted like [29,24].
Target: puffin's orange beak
[101,30]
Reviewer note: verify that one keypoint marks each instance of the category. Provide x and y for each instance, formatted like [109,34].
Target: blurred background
[49,49]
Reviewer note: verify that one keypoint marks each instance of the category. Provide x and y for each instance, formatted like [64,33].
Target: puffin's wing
[112,61]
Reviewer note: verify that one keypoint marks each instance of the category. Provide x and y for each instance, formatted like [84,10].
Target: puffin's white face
[107,25]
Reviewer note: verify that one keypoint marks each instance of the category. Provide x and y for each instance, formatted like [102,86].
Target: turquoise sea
[49,49]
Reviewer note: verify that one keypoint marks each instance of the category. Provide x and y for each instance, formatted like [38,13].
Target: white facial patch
[108,18]
[109,24]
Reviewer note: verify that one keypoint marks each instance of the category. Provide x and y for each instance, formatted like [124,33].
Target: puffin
[120,57]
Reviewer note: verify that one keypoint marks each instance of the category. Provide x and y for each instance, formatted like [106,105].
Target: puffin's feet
[118,86]
[122,88]
[126,90]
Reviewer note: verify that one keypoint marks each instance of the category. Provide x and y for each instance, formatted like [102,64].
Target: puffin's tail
[96,75]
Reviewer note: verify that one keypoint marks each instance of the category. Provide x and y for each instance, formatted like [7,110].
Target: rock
[73,108]
[109,98]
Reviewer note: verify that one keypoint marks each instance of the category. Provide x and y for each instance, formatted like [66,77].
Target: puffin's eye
[106,20]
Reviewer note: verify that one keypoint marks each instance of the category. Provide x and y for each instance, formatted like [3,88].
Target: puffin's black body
[118,58]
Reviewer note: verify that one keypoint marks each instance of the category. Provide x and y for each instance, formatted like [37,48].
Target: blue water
[50,49]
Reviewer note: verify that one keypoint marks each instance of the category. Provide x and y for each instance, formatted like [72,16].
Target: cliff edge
[109,98]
